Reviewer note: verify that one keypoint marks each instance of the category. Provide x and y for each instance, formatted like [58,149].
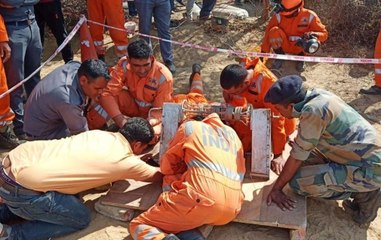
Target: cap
[285,90]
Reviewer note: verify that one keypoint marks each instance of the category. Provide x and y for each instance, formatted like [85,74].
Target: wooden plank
[256,211]
[172,114]
[132,194]
[260,124]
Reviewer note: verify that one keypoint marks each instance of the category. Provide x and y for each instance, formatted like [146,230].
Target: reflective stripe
[142,103]
[98,43]
[197,87]
[166,188]
[101,111]
[294,38]
[121,48]
[162,79]
[377,70]
[5,123]
[217,168]
[188,128]
[152,232]
[277,17]
[259,82]
[311,18]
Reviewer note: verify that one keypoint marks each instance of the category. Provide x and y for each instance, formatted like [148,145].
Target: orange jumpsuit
[208,157]
[130,95]
[109,12]
[377,67]
[6,114]
[261,82]
[287,30]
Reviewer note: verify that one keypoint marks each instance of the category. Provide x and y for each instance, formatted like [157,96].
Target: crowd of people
[335,155]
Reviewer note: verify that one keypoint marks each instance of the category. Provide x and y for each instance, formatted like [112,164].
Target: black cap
[286,90]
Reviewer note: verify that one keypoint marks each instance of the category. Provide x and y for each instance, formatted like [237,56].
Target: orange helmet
[291,6]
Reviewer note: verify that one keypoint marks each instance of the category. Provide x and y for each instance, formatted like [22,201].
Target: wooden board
[256,211]
[132,194]
[172,113]
[260,125]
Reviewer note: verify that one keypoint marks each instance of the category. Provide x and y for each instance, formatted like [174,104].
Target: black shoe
[368,204]
[373,90]
[196,68]
[171,67]
[300,66]
[8,139]
[277,64]
[173,24]
[102,57]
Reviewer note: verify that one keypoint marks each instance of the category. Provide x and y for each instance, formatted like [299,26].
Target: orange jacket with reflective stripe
[305,21]
[255,94]
[150,91]
[205,153]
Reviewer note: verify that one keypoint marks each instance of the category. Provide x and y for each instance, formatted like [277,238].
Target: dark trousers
[50,13]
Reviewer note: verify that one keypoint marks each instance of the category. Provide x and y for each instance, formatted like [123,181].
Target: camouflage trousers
[335,181]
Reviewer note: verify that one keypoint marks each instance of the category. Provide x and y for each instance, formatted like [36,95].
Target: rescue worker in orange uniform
[249,85]
[7,137]
[376,88]
[138,83]
[290,28]
[110,12]
[203,170]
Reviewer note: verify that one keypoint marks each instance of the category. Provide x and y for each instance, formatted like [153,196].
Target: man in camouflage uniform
[347,145]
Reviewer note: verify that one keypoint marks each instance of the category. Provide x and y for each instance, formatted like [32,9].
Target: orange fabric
[190,97]
[209,157]
[87,46]
[261,81]
[377,54]
[110,12]
[128,94]
[280,31]
[6,114]
[197,86]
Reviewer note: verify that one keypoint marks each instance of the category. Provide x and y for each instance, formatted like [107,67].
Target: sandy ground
[326,219]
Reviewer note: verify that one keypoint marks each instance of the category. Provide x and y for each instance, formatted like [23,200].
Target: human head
[138,132]
[234,79]
[140,57]
[285,93]
[290,7]
[93,77]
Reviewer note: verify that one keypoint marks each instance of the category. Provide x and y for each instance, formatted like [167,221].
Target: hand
[277,164]
[282,200]
[5,51]
[309,35]
[120,120]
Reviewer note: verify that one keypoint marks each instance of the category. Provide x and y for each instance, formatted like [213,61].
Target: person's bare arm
[276,194]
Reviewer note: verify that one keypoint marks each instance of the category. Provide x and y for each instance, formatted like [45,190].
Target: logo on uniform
[304,20]
[152,81]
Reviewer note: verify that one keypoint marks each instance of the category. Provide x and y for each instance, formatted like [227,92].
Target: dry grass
[350,22]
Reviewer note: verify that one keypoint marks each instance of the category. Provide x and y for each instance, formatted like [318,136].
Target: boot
[8,139]
[196,68]
[373,90]
[368,204]
[300,66]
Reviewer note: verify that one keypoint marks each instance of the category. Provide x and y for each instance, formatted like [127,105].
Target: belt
[12,186]
[27,22]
